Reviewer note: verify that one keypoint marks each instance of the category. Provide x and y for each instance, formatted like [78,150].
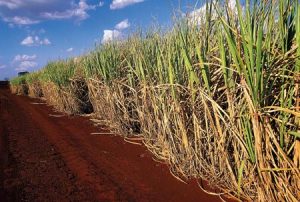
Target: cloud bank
[118,4]
[70,49]
[24,62]
[28,12]
[35,41]
[123,25]
[115,34]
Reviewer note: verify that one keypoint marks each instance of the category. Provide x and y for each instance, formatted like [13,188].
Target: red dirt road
[48,158]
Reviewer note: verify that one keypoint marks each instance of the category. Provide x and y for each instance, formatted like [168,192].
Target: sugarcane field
[175,101]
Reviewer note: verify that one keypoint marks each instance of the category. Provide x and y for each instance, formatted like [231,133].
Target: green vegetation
[216,99]
[18,80]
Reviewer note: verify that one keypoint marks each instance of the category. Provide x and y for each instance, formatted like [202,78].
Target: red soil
[46,158]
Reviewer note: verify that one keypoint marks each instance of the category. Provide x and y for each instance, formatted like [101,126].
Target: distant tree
[22,73]
[6,79]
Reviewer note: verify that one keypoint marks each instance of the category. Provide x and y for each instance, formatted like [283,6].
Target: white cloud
[35,41]
[101,3]
[111,35]
[232,4]
[115,34]
[198,16]
[123,25]
[70,49]
[77,11]
[28,12]
[23,62]
[2,66]
[17,4]
[25,65]
[118,4]
[11,4]
[21,58]
[28,41]
[17,20]
[46,41]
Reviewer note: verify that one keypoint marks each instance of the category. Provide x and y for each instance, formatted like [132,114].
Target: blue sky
[34,32]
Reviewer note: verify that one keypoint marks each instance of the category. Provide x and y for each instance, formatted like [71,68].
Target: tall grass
[217,99]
